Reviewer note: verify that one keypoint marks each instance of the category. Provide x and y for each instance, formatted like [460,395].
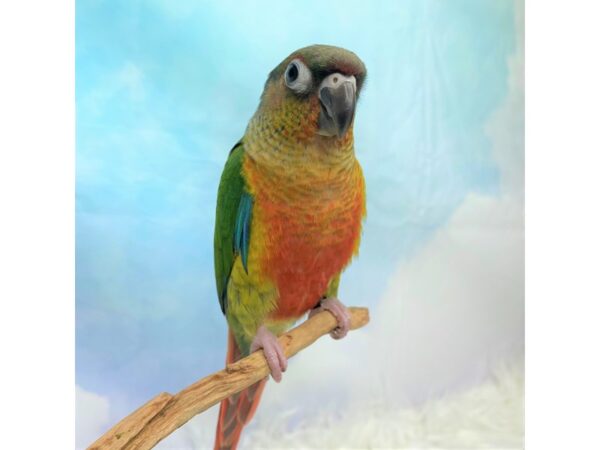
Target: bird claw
[339,311]
[272,350]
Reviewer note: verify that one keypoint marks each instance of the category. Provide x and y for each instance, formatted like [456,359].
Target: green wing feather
[232,222]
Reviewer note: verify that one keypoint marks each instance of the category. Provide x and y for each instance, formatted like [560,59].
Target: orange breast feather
[309,231]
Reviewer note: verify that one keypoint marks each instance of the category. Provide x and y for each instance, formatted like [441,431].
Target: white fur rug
[489,416]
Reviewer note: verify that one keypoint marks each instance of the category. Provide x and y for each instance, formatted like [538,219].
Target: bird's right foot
[273,351]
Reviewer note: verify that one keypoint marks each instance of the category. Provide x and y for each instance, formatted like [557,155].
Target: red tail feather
[237,410]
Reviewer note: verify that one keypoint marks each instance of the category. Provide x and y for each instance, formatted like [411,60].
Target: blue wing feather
[241,241]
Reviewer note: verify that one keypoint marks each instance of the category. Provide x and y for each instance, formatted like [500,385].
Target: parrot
[290,208]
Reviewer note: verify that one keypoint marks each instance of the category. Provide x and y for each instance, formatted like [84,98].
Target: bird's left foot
[340,312]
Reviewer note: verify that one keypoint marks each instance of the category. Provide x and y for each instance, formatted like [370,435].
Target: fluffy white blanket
[490,416]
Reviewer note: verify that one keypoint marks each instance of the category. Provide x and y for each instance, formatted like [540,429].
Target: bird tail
[236,411]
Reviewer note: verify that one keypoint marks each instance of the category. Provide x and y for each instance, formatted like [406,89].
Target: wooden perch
[161,416]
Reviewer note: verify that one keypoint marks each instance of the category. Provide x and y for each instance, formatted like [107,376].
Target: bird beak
[337,95]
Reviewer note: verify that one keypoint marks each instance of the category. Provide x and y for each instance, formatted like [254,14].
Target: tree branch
[162,415]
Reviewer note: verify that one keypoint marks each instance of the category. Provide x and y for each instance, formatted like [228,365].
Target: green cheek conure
[290,205]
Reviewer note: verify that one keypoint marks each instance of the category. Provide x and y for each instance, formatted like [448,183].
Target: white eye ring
[298,77]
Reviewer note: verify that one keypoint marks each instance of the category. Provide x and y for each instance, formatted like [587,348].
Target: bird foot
[339,311]
[272,350]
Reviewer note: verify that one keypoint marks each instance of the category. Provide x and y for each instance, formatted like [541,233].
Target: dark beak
[337,108]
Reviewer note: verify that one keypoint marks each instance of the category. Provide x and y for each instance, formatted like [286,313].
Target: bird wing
[232,222]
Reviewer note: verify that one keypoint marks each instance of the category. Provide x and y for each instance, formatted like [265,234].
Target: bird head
[311,95]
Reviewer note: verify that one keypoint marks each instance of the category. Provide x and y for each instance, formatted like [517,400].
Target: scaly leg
[339,311]
[273,352]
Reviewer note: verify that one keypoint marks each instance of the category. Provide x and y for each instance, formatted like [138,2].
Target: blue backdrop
[165,88]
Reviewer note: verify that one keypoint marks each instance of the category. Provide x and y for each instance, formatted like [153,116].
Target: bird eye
[298,77]
[292,73]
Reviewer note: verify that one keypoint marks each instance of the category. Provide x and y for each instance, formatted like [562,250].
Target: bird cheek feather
[310,119]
